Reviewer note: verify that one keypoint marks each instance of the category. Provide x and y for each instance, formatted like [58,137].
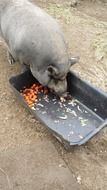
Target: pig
[35,39]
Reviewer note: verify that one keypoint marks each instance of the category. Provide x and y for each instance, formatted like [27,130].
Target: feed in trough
[31,94]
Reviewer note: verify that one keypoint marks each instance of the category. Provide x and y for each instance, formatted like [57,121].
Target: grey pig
[35,39]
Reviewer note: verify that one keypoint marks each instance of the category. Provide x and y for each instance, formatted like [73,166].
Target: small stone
[60,165]
[58,5]
[79,179]
[32,120]
[73,3]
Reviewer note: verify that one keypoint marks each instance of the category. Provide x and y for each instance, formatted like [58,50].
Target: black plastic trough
[72,122]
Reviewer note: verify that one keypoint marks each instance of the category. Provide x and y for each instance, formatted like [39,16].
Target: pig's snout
[58,87]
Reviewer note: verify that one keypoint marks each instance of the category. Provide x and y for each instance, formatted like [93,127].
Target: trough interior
[85,93]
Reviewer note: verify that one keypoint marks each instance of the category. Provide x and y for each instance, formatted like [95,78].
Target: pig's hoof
[11,60]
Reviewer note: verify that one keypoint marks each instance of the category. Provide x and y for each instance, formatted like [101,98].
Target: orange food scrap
[31,94]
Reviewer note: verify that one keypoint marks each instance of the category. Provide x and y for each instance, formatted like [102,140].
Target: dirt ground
[85,28]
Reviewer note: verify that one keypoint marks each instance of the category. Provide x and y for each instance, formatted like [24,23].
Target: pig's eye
[50,69]
[53,71]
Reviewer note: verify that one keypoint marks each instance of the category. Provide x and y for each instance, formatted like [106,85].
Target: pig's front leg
[10,58]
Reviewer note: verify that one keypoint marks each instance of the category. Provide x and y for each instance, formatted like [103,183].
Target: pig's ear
[52,70]
[73,60]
